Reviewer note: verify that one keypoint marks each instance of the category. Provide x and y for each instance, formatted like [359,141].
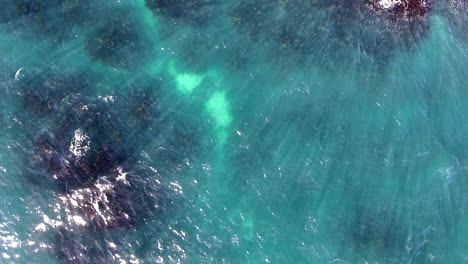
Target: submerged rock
[118,43]
[331,32]
[53,19]
[402,9]
[177,146]
[121,199]
[15,9]
[456,12]
[252,17]
[89,151]
[128,197]
[190,11]
[42,93]
[141,107]
[88,142]
[87,247]
[80,137]
[379,229]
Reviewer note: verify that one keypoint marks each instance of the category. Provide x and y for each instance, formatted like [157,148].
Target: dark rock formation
[88,247]
[253,17]
[117,43]
[402,9]
[141,108]
[456,13]
[378,229]
[189,11]
[90,151]
[333,32]
[121,199]
[52,20]
[86,141]
[15,9]
[42,93]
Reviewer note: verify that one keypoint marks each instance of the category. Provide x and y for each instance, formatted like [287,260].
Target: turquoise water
[282,131]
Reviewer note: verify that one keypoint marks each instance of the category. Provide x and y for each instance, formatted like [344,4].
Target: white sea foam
[388,3]
[79,144]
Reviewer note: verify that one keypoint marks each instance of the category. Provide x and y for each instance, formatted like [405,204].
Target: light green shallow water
[295,162]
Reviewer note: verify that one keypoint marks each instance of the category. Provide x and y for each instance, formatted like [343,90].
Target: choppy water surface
[211,131]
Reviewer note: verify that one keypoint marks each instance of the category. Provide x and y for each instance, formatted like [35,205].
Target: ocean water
[243,131]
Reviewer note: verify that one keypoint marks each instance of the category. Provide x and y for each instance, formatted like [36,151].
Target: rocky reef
[118,43]
[52,20]
[194,12]
[402,9]
[456,13]
[88,151]
[361,32]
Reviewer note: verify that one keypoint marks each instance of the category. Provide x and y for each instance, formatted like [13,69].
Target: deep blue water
[244,131]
